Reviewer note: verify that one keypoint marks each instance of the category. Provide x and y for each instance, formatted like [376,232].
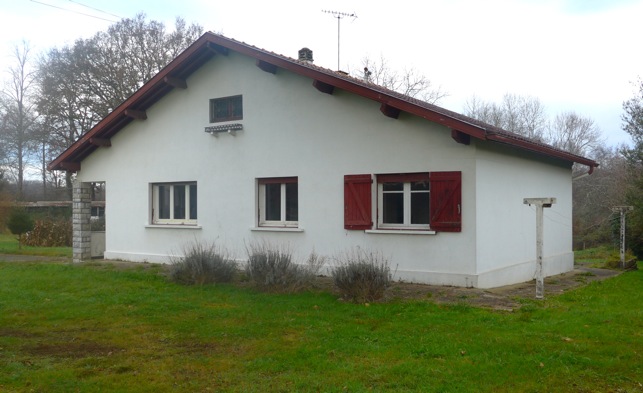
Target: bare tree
[82,83]
[19,118]
[593,197]
[633,125]
[574,133]
[522,115]
[409,81]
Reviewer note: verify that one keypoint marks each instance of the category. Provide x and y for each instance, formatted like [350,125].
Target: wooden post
[622,210]
[540,204]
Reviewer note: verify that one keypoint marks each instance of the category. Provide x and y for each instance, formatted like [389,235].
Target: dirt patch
[9,332]
[70,350]
[31,258]
[502,298]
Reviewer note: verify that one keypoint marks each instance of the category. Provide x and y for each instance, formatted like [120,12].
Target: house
[232,143]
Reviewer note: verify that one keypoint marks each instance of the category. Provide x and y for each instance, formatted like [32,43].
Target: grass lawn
[9,245]
[97,328]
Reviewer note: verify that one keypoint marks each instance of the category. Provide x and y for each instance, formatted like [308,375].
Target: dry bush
[50,233]
[361,276]
[5,208]
[203,263]
[272,268]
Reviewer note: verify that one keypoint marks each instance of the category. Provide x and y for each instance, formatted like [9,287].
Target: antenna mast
[339,16]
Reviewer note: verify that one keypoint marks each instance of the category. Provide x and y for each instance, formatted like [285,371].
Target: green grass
[97,328]
[605,257]
[9,245]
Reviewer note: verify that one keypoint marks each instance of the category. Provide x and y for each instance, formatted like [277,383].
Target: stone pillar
[81,225]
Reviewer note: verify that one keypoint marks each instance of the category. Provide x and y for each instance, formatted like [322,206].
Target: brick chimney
[306,55]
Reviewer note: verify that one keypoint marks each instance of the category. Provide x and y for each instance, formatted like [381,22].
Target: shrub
[361,276]
[613,261]
[50,233]
[19,223]
[203,263]
[271,268]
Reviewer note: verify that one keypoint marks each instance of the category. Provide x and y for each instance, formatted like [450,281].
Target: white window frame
[407,208]
[171,221]
[261,206]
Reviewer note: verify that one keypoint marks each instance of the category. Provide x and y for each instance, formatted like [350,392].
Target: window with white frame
[174,203]
[409,201]
[403,201]
[278,202]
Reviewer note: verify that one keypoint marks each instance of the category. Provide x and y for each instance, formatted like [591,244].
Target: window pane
[273,202]
[420,208]
[420,186]
[179,202]
[393,186]
[237,108]
[291,202]
[192,201]
[164,202]
[393,206]
[221,110]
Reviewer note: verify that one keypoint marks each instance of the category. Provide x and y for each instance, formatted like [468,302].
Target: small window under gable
[226,109]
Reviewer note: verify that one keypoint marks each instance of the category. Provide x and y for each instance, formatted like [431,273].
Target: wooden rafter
[271,68]
[323,87]
[460,137]
[222,50]
[390,111]
[175,82]
[136,114]
[101,142]
[70,166]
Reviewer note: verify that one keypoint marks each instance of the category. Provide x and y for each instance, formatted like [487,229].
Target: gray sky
[574,55]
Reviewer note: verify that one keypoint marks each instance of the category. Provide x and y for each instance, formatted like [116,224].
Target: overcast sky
[574,55]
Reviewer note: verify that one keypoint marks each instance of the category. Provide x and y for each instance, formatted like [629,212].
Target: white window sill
[399,232]
[174,226]
[276,229]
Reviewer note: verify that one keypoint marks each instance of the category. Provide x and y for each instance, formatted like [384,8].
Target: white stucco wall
[506,227]
[291,129]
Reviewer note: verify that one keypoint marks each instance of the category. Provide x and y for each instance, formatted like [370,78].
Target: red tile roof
[210,44]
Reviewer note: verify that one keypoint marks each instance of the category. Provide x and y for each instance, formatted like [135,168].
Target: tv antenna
[339,16]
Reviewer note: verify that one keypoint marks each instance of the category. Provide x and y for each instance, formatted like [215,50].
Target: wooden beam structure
[136,114]
[100,142]
[271,68]
[218,49]
[460,137]
[175,82]
[70,166]
[323,87]
[390,111]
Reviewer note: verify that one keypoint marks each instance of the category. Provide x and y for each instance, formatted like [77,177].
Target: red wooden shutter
[357,202]
[446,201]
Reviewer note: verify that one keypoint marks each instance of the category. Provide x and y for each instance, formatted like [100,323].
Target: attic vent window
[226,109]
